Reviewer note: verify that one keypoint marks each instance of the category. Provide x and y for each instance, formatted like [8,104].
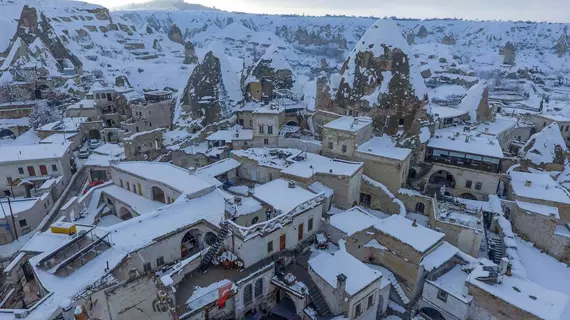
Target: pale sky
[534,10]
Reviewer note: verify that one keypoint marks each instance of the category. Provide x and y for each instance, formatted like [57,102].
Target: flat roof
[234,133]
[307,164]
[18,205]
[538,186]
[17,153]
[455,140]
[542,209]
[384,147]
[453,282]
[219,167]
[278,195]
[176,177]
[353,220]
[70,124]
[419,237]
[348,123]
[330,266]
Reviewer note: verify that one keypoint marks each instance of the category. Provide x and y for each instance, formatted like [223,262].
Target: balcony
[464,163]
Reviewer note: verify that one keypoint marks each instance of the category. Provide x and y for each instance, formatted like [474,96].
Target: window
[442,295]
[265,141]
[128,186]
[260,129]
[21,170]
[54,167]
[344,148]
[247,295]
[331,146]
[97,96]
[310,225]
[240,122]
[23,223]
[468,184]
[109,97]
[270,246]
[137,128]
[544,124]
[31,171]
[357,310]
[159,261]
[370,301]
[149,112]
[150,124]
[566,128]
[478,185]
[401,122]
[43,170]
[9,180]
[251,123]
[258,287]
[121,183]
[270,129]
[147,267]
[254,220]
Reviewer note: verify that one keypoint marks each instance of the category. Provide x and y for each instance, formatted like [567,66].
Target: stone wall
[488,307]
[489,180]
[144,145]
[390,172]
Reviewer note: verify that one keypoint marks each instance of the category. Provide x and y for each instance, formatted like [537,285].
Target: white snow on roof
[453,282]
[435,259]
[329,266]
[472,99]
[139,204]
[218,168]
[446,112]
[498,126]
[142,231]
[204,296]
[537,186]
[278,195]
[83,104]
[16,153]
[420,238]
[314,163]
[176,177]
[523,294]
[384,147]
[318,187]
[7,123]
[455,140]
[545,210]
[348,123]
[18,205]
[353,220]
[59,138]
[542,146]
[70,124]
[110,149]
[274,158]
[236,133]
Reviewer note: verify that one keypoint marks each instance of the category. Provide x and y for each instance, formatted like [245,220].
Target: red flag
[224,293]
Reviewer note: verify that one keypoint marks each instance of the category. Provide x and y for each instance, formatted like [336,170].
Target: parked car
[94,144]
[83,153]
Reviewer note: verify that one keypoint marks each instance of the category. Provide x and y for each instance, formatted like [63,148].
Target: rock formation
[545,149]
[476,103]
[271,74]
[509,52]
[213,88]
[174,34]
[189,53]
[422,33]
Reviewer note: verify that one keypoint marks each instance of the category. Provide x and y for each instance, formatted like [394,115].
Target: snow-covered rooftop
[310,163]
[446,112]
[546,146]
[330,266]
[67,125]
[419,237]
[278,195]
[467,142]
[542,209]
[236,133]
[59,138]
[384,147]
[17,205]
[453,282]
[435,259]
[218,168]
[274,158]
[17,153]
[348,123]
[353,220]
[83,104]
[524,294]
[176,177]
[537,186]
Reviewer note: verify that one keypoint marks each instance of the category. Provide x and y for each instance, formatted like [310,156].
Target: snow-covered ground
[545,270]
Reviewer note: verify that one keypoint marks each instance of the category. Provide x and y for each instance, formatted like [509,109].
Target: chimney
[528,183]
[466,138]
[67,310]
[414,224]
[237,201]
[503,265]
[341,283]
[291,184]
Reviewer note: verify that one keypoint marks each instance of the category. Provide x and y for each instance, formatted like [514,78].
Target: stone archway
[191,243]
[467,196]
[432,313]
[125,213]
[292,123]
[158,194]
[420,207]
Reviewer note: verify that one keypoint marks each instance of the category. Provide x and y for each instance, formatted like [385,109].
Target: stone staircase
[215,248]
[398,289]
[319,301]
[496,249]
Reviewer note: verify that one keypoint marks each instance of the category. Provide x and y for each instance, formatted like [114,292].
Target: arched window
[31,171]
[258,287]
[97,96]
[247,296]
[43,170]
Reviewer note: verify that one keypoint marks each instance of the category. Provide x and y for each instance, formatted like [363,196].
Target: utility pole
[7,224]
[8,194]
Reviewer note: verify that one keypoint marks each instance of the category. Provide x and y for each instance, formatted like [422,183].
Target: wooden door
[300,231]
[31,171]
[43,170]
[282,242]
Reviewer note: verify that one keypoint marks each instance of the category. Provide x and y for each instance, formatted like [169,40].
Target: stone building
[149,114]
[342,136]
[146,145]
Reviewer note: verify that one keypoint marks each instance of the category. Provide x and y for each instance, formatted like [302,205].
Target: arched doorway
[442,178]
[467,196]
[125,214]
[158,194]
[420,207]
[292,123]
[412,173]
[432,313]
[190,243]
